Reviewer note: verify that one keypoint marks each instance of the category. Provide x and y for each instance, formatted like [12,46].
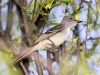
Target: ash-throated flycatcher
[57,35]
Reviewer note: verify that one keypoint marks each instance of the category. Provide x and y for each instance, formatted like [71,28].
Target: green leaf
[98,61]
[83,69]
[48,4]
[73,4]
[83,55]
[77,15]
[19,26]
[34,27]
[98,8]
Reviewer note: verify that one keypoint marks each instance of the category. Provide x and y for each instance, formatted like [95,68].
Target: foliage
[6,67]
[83,69]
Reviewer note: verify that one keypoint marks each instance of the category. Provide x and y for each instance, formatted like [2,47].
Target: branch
[28,30]
[97,13]
[38,12]
[25,71]
[91,38]
[78,57]
[89,4]
[1,32]
[9,19]
[4,5]
[49,63]
[34,10]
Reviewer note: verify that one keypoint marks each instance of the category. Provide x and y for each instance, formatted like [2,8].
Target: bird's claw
[53,47]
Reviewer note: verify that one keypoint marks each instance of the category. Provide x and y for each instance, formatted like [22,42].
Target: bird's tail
[22,55]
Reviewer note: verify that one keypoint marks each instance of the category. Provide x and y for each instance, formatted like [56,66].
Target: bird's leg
[55,50]
[53,47]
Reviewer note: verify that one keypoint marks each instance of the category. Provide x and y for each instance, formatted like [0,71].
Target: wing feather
[50,33]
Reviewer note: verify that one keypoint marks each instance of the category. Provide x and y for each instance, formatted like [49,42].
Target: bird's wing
[50,33]
[46,35]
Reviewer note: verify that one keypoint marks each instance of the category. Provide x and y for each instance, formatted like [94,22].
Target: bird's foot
[53,47]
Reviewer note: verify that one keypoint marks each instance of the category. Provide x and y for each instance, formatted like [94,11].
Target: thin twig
[33,12]
[80,5]
[78,57]
[1,32]
[91,38]
[40,33]
[39,10]
[49,64]
[31,2]
[89,4]
[4,5]
[96,14]
[25,71]
[9,19]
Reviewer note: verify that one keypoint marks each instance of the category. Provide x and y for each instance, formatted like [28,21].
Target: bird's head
[69,21]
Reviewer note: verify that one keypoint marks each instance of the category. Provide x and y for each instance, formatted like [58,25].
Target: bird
[56,34]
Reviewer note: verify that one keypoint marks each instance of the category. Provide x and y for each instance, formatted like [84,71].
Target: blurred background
[23,21]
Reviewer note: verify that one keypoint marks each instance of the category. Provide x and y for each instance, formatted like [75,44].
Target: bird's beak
[78,21]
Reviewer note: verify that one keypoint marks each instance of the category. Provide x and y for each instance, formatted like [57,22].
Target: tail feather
[24,53]
[21,55]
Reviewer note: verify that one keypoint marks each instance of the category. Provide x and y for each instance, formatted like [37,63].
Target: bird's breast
[57,39]
[60,37]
